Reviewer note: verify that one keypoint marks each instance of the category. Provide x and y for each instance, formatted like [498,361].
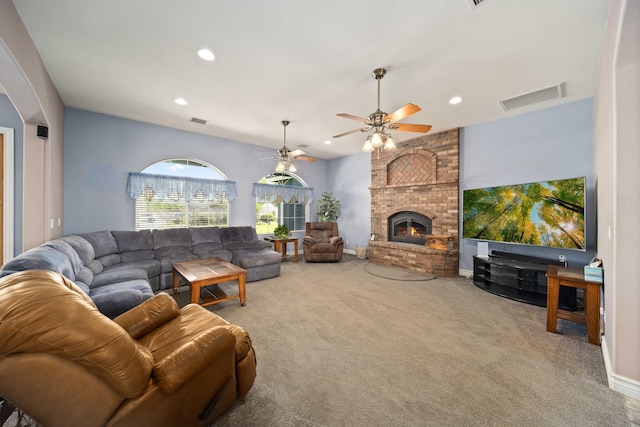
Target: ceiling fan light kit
[285,157]
[381,123]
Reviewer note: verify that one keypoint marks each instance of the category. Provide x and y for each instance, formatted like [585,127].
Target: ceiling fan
[285,157]
[381,123]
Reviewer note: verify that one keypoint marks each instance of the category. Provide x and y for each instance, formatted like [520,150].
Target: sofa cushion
[211,250]
[166,262]
[256,258]
[40,258]
[171,237]
[95,266]
[129,241]
[83,248]
[110,260]
[134,256]
[205,235]
[173,251]
[108,277]
[103,243]
[232,235]
[69,252]
[117,298]
[151,267]
[85,275]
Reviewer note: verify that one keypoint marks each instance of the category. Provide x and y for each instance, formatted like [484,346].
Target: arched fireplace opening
[409,227]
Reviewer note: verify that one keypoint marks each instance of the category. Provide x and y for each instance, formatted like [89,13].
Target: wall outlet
[346,242]
[562,258]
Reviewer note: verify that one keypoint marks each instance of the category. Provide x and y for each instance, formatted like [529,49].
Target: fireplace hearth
[409,227]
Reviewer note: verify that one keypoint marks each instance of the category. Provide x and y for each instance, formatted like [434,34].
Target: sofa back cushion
[172,243]
[69,252]
[134,245]
[129,241]
[207,242]
[103,243]
[171,237]
[40,258]
[243,234]
[205,235]
[83,248]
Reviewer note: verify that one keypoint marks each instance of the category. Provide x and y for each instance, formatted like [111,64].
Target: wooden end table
[206,274]
[281,245]
[574,278]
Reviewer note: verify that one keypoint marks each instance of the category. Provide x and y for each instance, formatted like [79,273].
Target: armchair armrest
[335,240]
[149,315]
[188,360]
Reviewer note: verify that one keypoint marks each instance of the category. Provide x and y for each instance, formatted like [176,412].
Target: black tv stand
[519,277]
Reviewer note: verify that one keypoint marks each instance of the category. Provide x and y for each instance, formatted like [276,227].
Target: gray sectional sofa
[120,269]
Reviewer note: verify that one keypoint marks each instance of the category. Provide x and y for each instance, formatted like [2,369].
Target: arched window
[271,213]
[171,208]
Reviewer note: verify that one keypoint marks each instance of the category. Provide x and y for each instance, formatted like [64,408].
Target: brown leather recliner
[64,363]
[322,243]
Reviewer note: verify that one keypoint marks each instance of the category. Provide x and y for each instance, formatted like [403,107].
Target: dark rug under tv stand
[519,277]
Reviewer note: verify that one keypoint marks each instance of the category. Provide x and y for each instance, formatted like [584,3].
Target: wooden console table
[574,278]
[280,245]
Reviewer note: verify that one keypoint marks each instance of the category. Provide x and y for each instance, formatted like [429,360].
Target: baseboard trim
[626,386]
[466,273]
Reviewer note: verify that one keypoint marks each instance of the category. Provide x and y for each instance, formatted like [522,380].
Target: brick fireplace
[418,180]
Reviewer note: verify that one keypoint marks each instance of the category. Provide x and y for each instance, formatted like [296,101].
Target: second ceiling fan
[285,157]
[381,122]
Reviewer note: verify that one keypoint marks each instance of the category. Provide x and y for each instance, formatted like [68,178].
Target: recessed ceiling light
[181,101]
[327,142]
[455,100]
[206,54]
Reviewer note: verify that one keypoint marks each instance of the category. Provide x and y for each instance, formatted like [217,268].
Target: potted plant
[281,231]
[327,208]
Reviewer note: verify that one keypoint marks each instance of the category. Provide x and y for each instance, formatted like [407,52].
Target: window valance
[179,187]
[282,193]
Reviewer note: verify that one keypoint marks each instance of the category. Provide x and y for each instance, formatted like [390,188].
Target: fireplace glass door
[409,227]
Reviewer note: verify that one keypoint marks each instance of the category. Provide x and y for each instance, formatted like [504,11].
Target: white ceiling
[305,61]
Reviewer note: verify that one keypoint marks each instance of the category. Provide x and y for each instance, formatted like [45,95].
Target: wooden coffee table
[206,274]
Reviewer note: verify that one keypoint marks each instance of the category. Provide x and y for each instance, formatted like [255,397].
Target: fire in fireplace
[409,227]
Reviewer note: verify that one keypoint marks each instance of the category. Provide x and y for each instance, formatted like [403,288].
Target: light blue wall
[101,150]
[549,144]
[350,179]
[9,118]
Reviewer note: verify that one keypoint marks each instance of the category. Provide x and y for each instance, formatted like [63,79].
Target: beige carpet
[396,273]
[337,346]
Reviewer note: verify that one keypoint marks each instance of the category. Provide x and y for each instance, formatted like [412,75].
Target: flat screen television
[547,213]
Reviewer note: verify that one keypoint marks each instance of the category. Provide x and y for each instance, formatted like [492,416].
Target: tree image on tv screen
[549,213]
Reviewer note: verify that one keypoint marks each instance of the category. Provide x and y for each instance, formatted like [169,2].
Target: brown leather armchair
[64,363]
[322,243]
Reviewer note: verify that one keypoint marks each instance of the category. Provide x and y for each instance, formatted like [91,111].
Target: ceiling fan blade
[296,153]
[406,127]
[305,158]
[352,117]
[351,131]
[401,113]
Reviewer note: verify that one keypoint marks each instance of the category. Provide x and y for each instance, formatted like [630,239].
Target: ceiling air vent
[199,121]
[546,94]
[476,3]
